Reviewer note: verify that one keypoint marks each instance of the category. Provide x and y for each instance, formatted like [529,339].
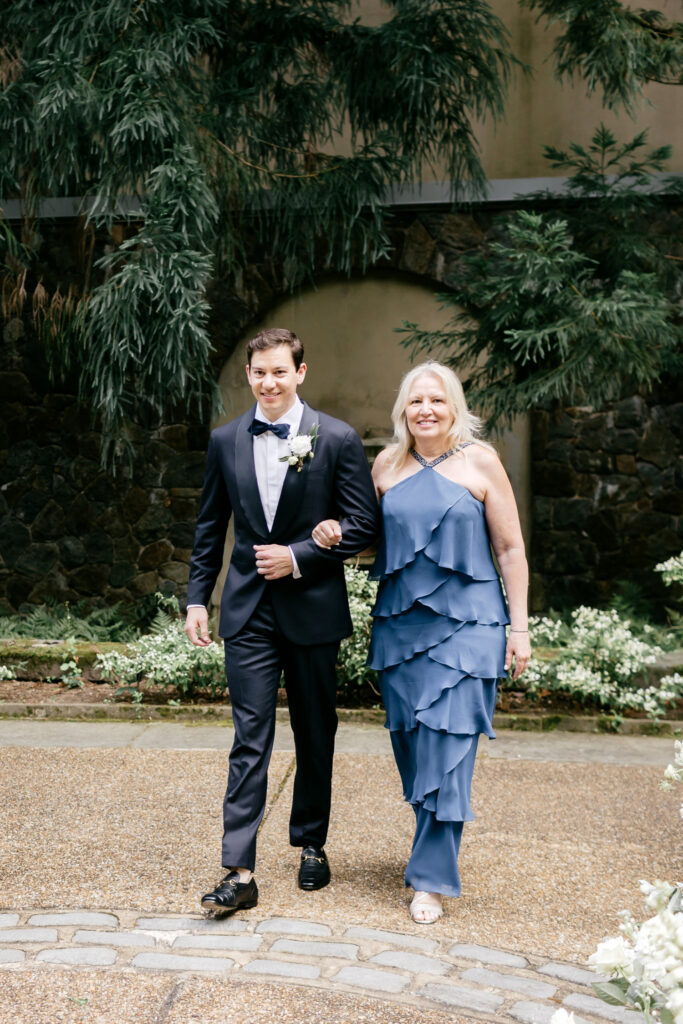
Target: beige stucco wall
[355,360]
[540,110]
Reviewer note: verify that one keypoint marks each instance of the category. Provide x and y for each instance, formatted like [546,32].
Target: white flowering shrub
[168,660]
[6,672]
[672,569]
[352,672]
[599,660]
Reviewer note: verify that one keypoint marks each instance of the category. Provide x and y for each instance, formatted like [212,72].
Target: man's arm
[209,541]
[354,496]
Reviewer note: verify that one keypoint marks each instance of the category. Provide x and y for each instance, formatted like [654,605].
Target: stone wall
[607,490]
[608,498]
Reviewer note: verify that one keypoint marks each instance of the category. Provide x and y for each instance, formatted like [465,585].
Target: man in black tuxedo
[284,606]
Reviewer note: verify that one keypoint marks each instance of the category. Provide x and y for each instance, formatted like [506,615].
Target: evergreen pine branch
[613,47]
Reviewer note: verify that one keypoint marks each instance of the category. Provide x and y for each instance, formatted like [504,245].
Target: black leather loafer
[231,895]
[314,871]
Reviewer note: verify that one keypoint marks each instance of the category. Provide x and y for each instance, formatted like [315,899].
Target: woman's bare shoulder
[383,458]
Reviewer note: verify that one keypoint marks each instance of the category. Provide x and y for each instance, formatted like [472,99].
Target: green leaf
[612,992]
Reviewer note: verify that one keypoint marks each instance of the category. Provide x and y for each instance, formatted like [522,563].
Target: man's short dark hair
[276,336]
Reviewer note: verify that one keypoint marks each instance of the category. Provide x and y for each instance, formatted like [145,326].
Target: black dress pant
[255,659]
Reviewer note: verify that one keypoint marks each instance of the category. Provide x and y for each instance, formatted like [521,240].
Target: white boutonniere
[300,448]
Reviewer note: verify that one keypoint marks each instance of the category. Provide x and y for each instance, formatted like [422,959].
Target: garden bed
[512,704]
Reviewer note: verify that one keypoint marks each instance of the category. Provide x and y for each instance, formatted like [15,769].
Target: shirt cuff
[295,568]
[196,606]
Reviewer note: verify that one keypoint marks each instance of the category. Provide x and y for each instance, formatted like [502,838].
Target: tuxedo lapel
[245,472]
[294,487]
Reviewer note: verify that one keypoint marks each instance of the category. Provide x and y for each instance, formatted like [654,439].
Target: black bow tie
[260,426]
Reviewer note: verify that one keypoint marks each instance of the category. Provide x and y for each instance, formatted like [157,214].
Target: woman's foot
[426,907]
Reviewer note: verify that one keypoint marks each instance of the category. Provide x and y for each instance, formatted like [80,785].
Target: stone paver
[567,972]
[591,1004]
[243,942]
[85,919]
[345,950]
[169,962]
[189,924]
[411,962]
[487,955]
[8,920]
[21,935]
[395,938]
[537,1013]
[375,981]
[114,938]
[11,956]
[78,955]
[527,986]
[282,968]
[290,926]
[467,998]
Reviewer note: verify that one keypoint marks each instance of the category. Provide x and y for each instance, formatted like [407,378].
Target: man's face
[273,379]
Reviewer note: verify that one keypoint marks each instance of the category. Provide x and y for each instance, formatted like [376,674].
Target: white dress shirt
[268,450]
[270,472]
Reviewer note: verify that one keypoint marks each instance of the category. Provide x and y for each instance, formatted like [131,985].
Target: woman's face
[428,416]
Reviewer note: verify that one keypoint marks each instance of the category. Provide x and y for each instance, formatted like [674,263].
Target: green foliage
[71,675]
[613,47]
[354,678]
[601,661]
[66,622]
[569,307]
[203,129]
[165,659]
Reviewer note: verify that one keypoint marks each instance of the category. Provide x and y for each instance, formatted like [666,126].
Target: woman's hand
[327,533]
[519,649]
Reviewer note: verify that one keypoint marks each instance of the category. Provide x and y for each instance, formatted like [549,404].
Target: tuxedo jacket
[334,484]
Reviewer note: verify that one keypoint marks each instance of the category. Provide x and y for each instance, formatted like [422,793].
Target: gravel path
[107,839]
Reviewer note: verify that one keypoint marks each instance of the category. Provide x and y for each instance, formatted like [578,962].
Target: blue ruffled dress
[438,643]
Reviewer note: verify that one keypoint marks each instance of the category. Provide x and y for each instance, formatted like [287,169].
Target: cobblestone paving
[478,981]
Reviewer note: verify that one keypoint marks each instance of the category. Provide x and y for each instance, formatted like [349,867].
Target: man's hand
[273,561]
[327,534]
[197,626]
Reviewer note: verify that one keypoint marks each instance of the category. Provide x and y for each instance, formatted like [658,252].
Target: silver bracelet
[518,630]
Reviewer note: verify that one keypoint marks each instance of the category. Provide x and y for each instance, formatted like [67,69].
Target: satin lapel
[294,487]
[247,485]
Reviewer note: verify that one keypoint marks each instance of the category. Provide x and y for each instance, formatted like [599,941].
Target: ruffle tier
[438,639]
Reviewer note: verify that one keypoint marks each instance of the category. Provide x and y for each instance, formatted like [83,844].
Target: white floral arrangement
[645,963]
[301,448]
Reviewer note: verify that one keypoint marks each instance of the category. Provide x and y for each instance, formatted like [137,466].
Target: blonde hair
[465,427]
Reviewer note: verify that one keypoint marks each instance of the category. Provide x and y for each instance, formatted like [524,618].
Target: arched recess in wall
[355,359]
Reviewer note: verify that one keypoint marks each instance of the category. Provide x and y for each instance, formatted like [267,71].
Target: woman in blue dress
[439,634]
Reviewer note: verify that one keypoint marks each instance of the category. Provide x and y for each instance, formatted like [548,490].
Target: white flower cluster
[647,960]
[6,672]
[599,658]
[300,445]
[168,660]
[672,569]
[545,632]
